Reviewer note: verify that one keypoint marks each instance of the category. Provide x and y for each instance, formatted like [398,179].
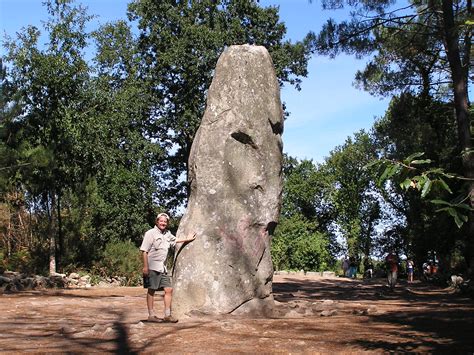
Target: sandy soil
[312,315]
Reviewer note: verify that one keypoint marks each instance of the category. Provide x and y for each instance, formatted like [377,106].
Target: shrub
[20,261]
[3,263]
[121,258]
[297,245]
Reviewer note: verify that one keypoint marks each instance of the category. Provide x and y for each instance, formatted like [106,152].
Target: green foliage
[413,124]
[76,139]
[421,50]
[423,179]
[407,43]
[48,86]
[305,191]
[297,245]
[352,192]
[320,202]
[121,258]
[3,262]
[304,238]
[188,38]
[20,261]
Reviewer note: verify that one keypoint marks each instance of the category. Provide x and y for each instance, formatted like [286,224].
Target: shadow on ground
[414,318]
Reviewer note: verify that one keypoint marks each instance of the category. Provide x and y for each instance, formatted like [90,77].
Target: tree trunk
[30,227]
[23,229]
[60,234]
[459,74]
[52,235]
[9,234]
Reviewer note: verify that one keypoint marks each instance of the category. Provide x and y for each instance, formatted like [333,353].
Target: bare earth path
[313,315]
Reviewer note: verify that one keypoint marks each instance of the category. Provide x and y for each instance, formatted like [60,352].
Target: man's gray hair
[163,215]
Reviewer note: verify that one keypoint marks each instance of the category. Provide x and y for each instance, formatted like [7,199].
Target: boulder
[4,280]
[235,176]
[328,313]
[456,281]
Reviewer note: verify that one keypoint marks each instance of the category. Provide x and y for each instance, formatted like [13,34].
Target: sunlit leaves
[414,174]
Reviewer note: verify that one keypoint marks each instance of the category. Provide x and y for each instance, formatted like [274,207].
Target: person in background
[410,269]
[155,246]
[345,266]
[392,269]
[352,267]
[368,268]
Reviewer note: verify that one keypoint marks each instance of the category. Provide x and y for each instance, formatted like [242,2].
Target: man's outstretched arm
[189,239]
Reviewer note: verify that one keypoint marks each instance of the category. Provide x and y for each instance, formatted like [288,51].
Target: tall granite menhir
[235,173]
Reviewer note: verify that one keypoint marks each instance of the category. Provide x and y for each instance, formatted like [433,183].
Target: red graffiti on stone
[241,237]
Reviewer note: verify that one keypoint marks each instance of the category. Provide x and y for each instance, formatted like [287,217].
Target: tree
[50,83]
[336,198]
[353,193]
[79,143]
[127,178]
[180,43]
[413,124]
[305,193]
[304,238]
[425,45]
[14,158]
[298,245]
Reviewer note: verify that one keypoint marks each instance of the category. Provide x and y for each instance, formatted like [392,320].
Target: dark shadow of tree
[442,313]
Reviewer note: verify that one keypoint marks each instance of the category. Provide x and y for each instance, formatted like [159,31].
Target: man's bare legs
[167,300]
[167,297]
[150,298]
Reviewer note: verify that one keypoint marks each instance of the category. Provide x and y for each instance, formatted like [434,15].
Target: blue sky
[323,114]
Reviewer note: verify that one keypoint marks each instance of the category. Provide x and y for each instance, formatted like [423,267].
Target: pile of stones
[15,281]
[306,273]
[459,284]
[11,281]
[77,281]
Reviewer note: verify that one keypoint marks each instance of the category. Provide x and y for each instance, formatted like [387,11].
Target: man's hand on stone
[189,239]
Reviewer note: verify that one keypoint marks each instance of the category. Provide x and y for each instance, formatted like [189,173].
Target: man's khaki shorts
[159,280]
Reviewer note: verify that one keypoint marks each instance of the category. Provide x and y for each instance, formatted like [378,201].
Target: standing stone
[235,175]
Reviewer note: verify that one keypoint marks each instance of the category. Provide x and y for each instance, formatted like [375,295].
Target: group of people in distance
[350,266]
[392,263]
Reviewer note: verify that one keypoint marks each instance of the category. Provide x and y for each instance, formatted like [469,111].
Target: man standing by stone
[155,246]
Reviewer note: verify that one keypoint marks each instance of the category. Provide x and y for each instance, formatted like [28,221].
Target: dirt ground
[313,315]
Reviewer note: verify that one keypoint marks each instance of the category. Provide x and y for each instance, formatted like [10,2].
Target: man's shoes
[170,319]
[155,319]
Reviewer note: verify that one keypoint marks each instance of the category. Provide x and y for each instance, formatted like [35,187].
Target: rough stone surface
[235,179]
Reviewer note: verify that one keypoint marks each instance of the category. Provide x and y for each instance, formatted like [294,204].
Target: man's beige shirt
[157,244]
